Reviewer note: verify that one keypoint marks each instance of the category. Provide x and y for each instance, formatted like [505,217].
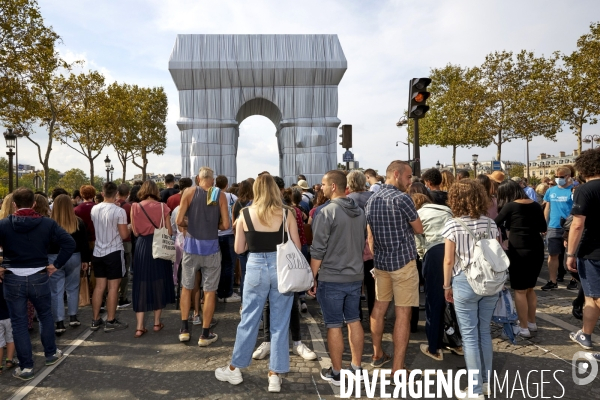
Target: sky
[386,43]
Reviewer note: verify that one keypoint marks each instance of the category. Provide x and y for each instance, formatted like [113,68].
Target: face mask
[560,181]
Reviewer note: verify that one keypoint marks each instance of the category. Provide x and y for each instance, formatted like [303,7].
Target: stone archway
[290,79]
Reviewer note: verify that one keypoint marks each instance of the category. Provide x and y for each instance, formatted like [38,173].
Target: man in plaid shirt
[392,224]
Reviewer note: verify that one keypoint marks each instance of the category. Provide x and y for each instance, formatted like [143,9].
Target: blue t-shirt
[561,202]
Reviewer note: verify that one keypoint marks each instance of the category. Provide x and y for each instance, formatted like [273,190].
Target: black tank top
[262,242]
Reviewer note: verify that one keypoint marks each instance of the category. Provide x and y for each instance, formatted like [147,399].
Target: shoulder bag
[163,245]
[293,271]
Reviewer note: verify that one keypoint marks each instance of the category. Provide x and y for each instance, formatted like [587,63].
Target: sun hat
[497,176]
[303,184]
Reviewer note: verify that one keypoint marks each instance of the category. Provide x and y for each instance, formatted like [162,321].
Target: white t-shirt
[375,187]
[231,199]
[106,217]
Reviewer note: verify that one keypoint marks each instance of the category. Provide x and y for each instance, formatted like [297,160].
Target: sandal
[158,327]
[11,364]
[139,333]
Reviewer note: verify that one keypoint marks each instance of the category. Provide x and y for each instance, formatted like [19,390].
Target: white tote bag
[293,271]
[163,246]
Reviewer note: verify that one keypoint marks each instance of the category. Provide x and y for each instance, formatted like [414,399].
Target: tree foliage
[455,109]
[579,84]
[151,106]
[73,179]
[520,98]
[85,126]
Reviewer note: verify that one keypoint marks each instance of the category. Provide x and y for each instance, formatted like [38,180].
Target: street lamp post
[112,170]
[475,163]
[37,181]
[591,139]
[401,122]
[438,165]
[11,142]
[408,146]
[107,165]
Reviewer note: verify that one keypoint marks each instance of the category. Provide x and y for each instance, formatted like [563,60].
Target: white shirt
[375,187]
[106,218]
[231,199]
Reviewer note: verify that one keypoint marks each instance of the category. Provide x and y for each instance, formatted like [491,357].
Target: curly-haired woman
[469,202]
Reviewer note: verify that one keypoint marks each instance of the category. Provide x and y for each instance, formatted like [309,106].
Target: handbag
[163,245]
[84,290]
[293,271]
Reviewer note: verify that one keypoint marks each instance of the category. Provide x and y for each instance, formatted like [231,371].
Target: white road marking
[25,390]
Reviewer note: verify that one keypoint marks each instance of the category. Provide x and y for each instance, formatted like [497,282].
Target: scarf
[212,197]
[27,212]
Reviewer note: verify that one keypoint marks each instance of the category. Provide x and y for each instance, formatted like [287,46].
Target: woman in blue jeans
[67,278]
[259,230]
[469,202]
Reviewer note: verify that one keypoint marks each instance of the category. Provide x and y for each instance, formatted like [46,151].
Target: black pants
[369,282]
[294,321]
[435,303]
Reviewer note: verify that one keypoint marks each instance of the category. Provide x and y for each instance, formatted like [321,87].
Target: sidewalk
[116,365]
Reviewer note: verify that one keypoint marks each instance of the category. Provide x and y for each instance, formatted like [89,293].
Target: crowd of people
[385,237]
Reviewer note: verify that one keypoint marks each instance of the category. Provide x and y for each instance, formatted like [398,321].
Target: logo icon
[584,364]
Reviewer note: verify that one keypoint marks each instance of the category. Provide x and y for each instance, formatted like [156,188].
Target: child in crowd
[6,338]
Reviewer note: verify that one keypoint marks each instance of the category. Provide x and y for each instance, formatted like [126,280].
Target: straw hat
[497,176]
[303,184]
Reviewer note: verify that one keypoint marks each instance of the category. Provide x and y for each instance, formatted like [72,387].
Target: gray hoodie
[339,233]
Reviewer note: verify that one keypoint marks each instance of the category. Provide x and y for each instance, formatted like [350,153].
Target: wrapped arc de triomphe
[290,79]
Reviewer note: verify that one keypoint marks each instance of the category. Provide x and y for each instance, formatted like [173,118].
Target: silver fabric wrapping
[290,79]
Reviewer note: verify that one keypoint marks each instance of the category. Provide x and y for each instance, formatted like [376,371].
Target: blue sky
[385,42]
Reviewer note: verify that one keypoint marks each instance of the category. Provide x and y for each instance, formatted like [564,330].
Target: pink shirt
[141,223]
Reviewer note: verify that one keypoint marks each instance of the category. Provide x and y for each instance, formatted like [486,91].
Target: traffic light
[417,96]
[346,136]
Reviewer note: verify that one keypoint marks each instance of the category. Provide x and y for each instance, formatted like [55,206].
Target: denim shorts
[589,275]
[339,302]
[555,241]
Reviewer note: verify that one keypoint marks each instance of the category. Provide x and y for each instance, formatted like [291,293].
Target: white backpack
[487,271]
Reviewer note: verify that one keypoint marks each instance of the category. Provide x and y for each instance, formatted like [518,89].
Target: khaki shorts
[402,285]
[209,267]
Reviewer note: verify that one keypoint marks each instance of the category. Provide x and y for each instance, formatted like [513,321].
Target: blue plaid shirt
[389,212]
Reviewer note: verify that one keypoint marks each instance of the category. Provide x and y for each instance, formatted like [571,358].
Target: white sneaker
[274,383]
[234,298]
[196,320]
[475,397]
[532,327]
[304,352]
[485,388]
[524,332]
[225,374]
[262,351]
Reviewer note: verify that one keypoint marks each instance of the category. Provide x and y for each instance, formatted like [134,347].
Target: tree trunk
[46,161]
[144,164]
[91,171]
[578,134]
[454,159]
[499,151]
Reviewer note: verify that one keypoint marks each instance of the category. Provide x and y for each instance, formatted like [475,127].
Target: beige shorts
[402,285]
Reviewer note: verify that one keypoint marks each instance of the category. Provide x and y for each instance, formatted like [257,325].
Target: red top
[127,207]
[84,211]
[300,226]
[174,200]
[152,207]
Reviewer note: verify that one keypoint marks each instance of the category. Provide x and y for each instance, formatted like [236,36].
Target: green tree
[98,183]
[23,36]
[123,108]
[85,126]
[73,179]
[455,110]
[33,83]
[516,170]
[519,98]
[579,84]
[152,132]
